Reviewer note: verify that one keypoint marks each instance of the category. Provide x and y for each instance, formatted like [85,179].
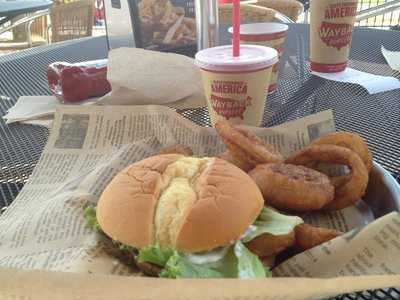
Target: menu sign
[166,24]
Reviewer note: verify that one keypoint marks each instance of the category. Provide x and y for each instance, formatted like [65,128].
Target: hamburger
[188,217]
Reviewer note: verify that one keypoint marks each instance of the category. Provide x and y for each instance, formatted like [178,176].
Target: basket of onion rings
[298,184]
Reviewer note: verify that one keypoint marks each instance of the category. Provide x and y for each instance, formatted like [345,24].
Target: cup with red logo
[331,28]
[236,87]
[265,34]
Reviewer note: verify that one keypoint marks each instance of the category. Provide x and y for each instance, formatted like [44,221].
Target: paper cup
[331,29]
[265,34]
[235,87]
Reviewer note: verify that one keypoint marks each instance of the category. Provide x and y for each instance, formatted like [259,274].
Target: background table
[375,117]
[13,8]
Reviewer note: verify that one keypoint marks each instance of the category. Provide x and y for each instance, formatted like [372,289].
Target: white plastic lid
[261,28]
[251,58]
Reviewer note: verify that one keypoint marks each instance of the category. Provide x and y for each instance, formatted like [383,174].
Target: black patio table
[375,117]
[12,8]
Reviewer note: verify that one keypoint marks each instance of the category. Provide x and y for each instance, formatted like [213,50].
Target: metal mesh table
[24,73]
[375,117]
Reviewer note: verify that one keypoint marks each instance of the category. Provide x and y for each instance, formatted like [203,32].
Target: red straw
[236,28]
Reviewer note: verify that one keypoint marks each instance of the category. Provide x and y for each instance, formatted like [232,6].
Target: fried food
[338,181]
[268,261]
[294,188]
[268,244]
[348,191]
[177,149]
[348,140]
[164,23]
[237,161]
[308,236]
[247,146]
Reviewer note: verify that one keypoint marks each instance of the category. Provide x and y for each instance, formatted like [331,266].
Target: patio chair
[290,8]
[71,20]
[26,22]
[248,13]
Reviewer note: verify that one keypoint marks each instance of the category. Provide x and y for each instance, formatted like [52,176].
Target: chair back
[290,8]
[249,13]
[71,20]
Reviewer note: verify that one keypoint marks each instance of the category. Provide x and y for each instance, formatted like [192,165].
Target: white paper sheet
[392,58]
[45,122]
[31,107]
[37,110]
[372,83]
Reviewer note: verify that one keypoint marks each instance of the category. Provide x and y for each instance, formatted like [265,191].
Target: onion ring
[247,146]
[348,140]
[268,261]
[308,236]
[268,244]
[293,188]
[339,181]
[237,161]
[348,191]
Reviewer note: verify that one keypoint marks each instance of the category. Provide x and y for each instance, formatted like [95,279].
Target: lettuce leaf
[248,264]
[156,255]
[234,261]
[273,222]
[238,262]
[227,266]
[175,265]
[209,256]
[90,216]
[180,267]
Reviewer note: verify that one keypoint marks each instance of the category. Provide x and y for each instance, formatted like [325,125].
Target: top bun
[186,203]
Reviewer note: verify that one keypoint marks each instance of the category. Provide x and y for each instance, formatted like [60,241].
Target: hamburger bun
[186,203]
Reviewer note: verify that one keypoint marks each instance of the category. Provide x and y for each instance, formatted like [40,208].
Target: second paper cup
[265,34]
[236,87]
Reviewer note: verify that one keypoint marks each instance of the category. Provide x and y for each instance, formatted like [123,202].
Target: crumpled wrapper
[139,76]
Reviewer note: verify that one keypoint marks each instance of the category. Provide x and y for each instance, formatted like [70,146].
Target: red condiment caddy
[80,81]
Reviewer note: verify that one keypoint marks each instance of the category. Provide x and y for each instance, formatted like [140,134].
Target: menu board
[166,24]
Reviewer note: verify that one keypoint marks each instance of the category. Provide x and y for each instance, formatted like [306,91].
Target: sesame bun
[186,203]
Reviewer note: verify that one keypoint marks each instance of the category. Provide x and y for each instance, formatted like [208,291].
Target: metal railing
[378,13]
[27,21]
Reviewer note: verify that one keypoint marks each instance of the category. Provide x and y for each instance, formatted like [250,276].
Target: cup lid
[261,28]
[251,58]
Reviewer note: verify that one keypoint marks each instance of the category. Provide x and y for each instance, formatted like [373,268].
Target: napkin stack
[35,110]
